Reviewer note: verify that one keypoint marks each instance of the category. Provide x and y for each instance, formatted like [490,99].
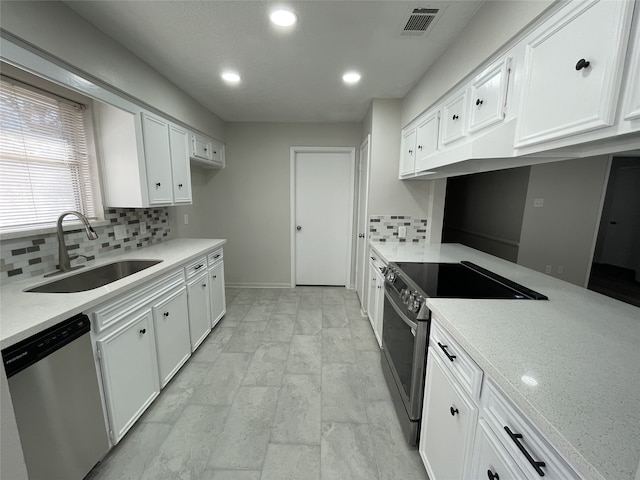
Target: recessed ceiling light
[231,77]
[351,77]
[283,18]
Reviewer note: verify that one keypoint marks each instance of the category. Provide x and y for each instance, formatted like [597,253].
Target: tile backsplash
[35,255]
[384,228]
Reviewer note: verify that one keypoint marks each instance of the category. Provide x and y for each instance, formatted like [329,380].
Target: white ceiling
[287,76]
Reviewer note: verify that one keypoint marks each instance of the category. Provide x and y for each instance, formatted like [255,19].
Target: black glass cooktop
[463,280]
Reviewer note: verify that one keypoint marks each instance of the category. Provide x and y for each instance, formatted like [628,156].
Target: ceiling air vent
[419,21]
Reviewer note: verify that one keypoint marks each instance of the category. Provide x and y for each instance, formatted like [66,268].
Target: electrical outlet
[560,270]
[538,202]
[402,232]
[547,269]
[120,232]
[186,219]
[143,228]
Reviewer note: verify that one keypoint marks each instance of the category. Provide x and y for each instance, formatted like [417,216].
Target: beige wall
[388,195]
[494,25]
[56,29]
[248,202]
[563,231]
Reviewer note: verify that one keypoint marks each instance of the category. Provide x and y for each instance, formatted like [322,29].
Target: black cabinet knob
[582,63]
[157,184]
[492,476]
[453,411]
[455,117]
[143,331]
[166,314]
[479,102]
[179,185]
[419,147]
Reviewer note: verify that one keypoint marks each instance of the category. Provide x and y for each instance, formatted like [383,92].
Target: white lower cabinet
[171,322]
[216,291]
[199,310]
[449,419]
[489,458]
[129,371]
[375,302]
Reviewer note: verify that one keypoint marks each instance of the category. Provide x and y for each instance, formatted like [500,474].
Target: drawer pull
[582,63]
[534,463]
[215,257]
[479,102]
[143,331]
[204,285]
[492,476]
[453,411]
[455,117]
[446,352]
[166,314]
[199,266]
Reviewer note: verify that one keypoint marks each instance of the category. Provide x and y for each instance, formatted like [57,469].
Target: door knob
[361,235]
[298,228]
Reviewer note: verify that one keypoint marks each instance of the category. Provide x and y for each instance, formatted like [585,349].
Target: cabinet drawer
[458,362]
[530,450]
[110,314]
[195,267]
[490,459]
[215,257]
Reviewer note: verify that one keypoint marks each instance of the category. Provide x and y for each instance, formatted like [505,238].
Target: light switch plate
[120,232]
[402,232]
[143,228]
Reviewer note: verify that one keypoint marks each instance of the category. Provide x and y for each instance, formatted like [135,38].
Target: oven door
[404,343]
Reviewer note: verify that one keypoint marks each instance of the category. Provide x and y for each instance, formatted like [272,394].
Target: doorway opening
[615,270]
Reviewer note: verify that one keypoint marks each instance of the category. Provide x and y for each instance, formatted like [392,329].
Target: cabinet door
[129,372]
[632,97]
[217,153]
[200,147]
[408,152]
[216,289]
[573,66]
[180,169]
[157,154]
[453,118]
[488,92]
[199,310]
[171,322]
[490,460]
[427,140]
[448,421]
[371,298]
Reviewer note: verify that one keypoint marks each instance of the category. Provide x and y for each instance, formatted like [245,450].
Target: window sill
[37,232]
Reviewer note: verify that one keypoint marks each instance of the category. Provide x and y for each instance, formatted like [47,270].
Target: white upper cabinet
[155,133]
[206,151]
[572,71]
[632,103]
[427,140]
[488,95]
[453,117]
[143,158]
[181,173]
[408,152]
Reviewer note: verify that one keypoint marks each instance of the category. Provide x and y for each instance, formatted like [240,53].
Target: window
[45,166]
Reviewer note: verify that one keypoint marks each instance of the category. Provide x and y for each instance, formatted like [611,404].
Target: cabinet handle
[455,117]
[453,411]
[204,284]
[143,331]
[157,184]
[419,147]
[205,149]
[214,152]
[166,314]
[179,185]
[361,235]
[492,476]
[534,463]
[410,152]
[199,266]
[216,256]
[446,352]
[215,276]
[582,63]
[479,102]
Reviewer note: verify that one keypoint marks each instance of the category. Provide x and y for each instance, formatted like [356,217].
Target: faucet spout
[63,255]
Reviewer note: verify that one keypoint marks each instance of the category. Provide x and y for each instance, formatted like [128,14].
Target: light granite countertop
[23,314]
[583,349]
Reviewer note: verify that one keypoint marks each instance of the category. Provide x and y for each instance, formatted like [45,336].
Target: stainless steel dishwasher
[54,388]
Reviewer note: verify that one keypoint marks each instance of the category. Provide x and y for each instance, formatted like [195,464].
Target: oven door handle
[405,319]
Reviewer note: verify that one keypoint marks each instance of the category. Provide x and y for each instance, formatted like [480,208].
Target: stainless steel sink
[97,277]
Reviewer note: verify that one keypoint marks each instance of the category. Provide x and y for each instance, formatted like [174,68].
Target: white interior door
[323,215]
[361,249]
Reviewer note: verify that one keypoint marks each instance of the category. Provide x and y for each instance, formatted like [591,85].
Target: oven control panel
[412,299]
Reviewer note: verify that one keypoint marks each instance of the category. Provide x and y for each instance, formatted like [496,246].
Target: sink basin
[96,277]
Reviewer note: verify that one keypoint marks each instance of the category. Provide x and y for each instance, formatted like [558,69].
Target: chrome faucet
[63,255]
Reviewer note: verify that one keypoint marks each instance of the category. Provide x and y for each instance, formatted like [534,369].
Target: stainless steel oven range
[407,319]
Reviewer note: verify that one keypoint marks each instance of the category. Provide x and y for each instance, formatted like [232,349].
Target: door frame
[292,200]
[362,260]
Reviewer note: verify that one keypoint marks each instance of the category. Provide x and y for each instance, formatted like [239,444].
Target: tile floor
[287,386]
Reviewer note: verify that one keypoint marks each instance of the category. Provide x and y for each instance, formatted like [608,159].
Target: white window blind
[44,162]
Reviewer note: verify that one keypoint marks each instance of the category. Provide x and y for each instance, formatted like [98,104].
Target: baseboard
[257,285]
